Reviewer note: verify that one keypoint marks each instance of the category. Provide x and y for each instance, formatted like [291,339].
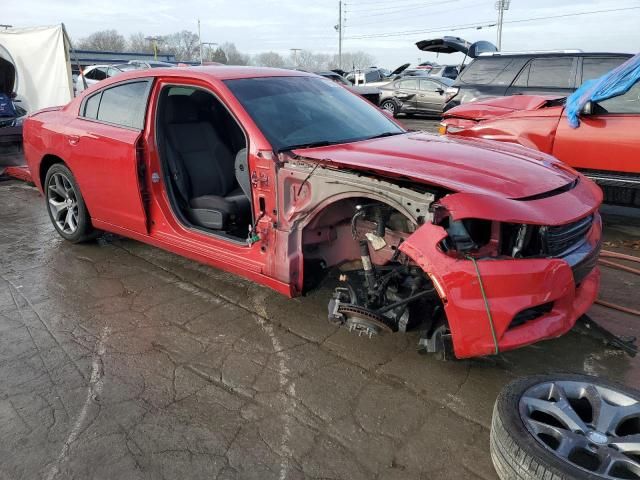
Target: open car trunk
[7,73]
[456,44]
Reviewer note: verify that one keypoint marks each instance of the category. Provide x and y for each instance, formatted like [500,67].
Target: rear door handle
[73,139]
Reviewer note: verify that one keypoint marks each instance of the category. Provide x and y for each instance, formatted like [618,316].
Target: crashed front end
[510,272]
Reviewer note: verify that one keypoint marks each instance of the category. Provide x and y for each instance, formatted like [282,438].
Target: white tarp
[41,58]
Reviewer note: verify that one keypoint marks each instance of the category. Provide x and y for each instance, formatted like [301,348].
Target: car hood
[498,107]
[456,164]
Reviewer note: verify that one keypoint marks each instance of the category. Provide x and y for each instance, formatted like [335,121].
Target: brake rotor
[363,321]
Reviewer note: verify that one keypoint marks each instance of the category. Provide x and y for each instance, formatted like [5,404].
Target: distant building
[84,58]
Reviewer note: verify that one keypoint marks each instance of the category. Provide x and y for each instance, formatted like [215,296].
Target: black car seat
[202,168]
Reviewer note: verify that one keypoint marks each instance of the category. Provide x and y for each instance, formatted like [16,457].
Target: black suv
[502,74]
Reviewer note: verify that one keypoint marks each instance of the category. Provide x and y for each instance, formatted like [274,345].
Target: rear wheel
[65,205]
[391,107]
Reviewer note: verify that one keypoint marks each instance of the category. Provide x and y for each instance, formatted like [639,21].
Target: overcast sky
[261,25]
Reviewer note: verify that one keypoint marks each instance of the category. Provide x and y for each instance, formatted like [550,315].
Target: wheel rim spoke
[62,203]
[627,444]
[561,411]
[57,208]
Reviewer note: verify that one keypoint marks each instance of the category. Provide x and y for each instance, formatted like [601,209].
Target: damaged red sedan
[286,178]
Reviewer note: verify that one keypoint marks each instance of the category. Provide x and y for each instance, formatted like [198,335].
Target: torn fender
[553,208]
[511,286]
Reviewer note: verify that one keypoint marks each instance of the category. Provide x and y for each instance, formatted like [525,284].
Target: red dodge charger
[287,179]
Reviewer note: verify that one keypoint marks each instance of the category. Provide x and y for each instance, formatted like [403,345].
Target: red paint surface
[486,175]
[602,142]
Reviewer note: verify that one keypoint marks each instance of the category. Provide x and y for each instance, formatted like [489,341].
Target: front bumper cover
[512,286]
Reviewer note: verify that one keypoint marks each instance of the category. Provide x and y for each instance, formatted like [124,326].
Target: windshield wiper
[321,143]
[385,134]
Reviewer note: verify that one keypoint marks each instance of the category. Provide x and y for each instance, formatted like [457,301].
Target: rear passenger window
[551,72]
[596,67]
[409,84]
[124,105]
[91,106]
[485,71]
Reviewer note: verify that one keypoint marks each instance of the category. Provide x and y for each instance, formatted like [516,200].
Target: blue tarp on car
[611,84]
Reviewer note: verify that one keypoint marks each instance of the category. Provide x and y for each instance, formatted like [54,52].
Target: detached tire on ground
[65,205]
[566,427]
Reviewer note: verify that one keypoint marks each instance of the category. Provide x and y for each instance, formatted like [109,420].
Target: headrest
[181,109]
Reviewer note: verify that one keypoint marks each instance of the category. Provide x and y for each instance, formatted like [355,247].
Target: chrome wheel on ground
[65,205]
[566,427]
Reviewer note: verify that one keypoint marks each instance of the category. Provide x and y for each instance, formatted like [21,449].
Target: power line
[423,14]
[407,9]
[486,24]
[385,7]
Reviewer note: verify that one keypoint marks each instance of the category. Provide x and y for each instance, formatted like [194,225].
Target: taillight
[450,93]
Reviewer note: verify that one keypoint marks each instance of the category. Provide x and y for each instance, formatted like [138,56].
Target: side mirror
[13,95]
[587,109]
[440,91]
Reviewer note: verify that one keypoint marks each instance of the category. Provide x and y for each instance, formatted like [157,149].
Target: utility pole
[200,41]
[340,34]
[501,6]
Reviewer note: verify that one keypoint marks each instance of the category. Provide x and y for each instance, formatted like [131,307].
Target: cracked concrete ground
[119,360]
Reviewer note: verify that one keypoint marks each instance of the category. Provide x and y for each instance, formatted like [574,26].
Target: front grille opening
[526,241]
[530,314]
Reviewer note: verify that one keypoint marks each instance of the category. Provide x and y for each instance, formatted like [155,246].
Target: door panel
[601,142]
[430,97]
[105,162]
[606,140]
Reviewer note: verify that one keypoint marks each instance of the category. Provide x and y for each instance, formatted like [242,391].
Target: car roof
[551,54]
[213,72]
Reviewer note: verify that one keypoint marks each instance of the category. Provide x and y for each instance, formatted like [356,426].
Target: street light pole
[295,51]
[210,44]
[501,6]
[200,41]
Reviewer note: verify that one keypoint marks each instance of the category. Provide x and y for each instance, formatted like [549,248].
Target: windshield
[297,112]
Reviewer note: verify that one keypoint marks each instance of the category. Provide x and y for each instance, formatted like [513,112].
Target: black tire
[516,453]
[83,230]
[390,106]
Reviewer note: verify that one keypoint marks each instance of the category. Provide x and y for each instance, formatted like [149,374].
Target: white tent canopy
[41,58]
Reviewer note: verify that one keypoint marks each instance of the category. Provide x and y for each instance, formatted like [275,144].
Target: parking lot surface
[119,360]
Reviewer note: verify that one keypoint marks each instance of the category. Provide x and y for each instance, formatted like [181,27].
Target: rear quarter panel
[43,134]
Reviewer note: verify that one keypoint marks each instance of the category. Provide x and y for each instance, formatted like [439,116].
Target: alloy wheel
[389,107]
[592,427]
[63,203]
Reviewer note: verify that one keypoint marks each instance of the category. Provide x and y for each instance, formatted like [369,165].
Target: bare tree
[269,59]
[184,45]
[219,56]
[234,57]
[105,41]
[138,44]
[353,60]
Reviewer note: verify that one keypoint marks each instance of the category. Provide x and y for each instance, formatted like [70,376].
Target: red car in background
[605,147]
[284,177]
